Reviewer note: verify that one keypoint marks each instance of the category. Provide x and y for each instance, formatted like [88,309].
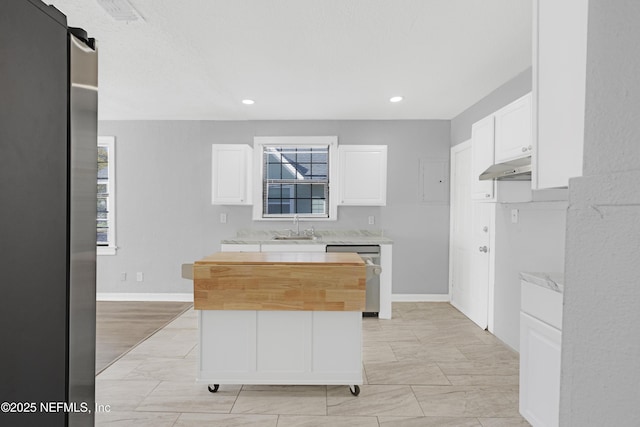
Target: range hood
[513,170]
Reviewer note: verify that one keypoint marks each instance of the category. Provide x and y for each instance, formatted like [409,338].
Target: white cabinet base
[539,372]
[280,347]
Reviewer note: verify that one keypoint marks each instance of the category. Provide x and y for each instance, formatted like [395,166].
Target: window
[294,174]
[105,220]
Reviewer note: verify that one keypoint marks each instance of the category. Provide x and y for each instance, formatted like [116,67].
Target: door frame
[466,145]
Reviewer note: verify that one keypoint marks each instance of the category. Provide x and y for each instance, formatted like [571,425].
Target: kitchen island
[280,318]
[250,240]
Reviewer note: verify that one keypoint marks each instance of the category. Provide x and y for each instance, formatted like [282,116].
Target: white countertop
[553,281]
[324,237]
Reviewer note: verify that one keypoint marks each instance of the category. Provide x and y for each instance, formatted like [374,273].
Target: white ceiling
[303,59]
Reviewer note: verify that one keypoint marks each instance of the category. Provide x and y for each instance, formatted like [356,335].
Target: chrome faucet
[296,222]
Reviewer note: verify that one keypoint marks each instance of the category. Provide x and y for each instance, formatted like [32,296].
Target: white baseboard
[131,296]
[420,298]
[188,297]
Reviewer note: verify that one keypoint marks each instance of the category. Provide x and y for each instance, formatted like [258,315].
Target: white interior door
[481,229]
[460,242]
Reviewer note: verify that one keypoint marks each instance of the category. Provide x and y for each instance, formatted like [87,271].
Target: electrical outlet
[139,277]
[123,277]
[372,220]
[223,218]
[514,216]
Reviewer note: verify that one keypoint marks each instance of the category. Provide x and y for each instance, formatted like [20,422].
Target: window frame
[260,142]
[110,248]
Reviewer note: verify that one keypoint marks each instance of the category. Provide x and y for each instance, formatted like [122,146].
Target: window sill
[106,250]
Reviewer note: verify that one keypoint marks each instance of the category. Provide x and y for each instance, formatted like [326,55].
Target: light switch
[223,218]
[139,276]
[514,216]
[372,220]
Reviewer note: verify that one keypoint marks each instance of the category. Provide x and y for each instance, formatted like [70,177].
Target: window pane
[102,205]
[287,191]
[103,162]
[304,156]
[305,170]
[274,191]
[320,155]
[101,236]
[273,171]
[317,191]
[274,207]
[102,189]
[303,206]
[319,171]
[289,171]
[303,191]
[287,206]
[273,157]
[318,206]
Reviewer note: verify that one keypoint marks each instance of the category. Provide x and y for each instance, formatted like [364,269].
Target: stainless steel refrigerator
[48,162]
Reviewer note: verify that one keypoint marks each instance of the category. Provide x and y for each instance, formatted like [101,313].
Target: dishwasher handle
[371,267]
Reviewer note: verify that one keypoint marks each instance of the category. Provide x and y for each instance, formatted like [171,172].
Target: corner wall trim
[420,298]
[130,296]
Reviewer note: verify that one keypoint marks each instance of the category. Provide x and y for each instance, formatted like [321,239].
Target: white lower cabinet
[293,247]
[239,247]
[280,347]
[540,353]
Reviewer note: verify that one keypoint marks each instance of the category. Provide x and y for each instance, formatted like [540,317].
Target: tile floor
[428,366]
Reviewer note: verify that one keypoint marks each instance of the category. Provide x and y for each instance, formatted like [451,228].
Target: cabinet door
[482,149]
[230,174]
[559,79]
[362,175]
[293,247]
[539,371]
[513,130]
[239,247]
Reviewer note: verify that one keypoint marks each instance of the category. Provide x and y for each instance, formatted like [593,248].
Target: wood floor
[121,325]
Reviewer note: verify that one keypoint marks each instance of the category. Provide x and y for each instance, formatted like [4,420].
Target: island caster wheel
[215,388]
[355,390]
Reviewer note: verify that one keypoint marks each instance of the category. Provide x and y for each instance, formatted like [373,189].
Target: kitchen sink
[295,237]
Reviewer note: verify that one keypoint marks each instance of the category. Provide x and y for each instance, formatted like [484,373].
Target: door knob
[483,249]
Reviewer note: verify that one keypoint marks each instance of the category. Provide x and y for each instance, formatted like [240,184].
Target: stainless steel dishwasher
[371,256]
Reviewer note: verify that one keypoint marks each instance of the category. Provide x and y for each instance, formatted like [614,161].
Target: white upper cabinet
[482,149]
[231,174]
[362,175]
[513,130]
[507,130]
[559,78]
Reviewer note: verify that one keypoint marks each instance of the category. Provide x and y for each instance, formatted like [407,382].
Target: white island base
[280,347]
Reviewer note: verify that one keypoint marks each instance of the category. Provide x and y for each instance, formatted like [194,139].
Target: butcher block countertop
[280,281]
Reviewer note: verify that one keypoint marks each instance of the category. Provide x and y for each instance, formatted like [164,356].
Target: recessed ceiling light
[248,101]
[395,99]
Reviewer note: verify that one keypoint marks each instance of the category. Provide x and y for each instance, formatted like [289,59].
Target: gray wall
[165,216]
[600,378]
[519,86]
